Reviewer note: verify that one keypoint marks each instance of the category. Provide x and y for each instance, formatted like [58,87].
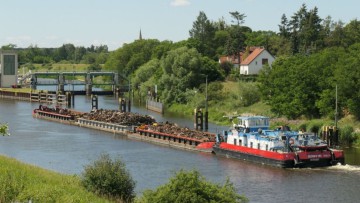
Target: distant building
[258,58]
[251,61]
[8,68]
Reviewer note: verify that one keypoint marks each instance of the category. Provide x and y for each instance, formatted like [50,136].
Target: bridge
[61,79]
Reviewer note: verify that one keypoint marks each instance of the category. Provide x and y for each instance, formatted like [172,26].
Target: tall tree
[202,35]
[284,27]
[239,18]
[237,35]
[305,28]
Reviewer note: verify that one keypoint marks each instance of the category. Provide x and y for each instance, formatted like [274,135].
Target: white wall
[256,65]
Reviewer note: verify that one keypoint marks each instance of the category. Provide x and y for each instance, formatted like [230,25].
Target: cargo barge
[141,128]
[250,139]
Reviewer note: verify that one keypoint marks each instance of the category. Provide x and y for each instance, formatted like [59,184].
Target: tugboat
[251,139]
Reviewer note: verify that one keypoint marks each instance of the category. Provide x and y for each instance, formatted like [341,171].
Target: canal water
[67,149]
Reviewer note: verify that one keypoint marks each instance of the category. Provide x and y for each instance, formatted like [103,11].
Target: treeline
[67,53]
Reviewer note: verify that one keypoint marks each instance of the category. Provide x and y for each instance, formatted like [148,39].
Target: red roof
[252,56]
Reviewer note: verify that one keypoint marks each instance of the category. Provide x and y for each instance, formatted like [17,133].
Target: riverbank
[22,182]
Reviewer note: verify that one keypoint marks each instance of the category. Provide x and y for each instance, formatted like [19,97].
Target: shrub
[110,178]
[192,187]
[315,126]
[4,129]
[347,135]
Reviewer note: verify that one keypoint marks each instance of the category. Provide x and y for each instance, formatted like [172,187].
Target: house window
[265,61]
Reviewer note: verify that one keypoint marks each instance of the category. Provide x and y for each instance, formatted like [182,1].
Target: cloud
[180,3]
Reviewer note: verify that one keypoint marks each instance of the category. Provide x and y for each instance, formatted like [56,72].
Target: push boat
[251,139]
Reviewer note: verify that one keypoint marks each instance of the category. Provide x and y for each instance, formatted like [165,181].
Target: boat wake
[345,167]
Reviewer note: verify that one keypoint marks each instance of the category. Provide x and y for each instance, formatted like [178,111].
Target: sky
[52,23]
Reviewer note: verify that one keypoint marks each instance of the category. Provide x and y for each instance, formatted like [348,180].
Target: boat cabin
[252,123]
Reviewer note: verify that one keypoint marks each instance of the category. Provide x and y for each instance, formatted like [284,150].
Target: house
[252,64]
[232,59]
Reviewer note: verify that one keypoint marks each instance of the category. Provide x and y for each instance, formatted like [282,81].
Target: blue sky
[51,23]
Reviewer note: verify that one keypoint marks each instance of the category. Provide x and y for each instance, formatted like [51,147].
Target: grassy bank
[22,182]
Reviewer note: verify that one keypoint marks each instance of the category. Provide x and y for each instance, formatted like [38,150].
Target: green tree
[305,30]
[181,70]
[352,33]
[146,75]
[347,77]
[131,56]
[239,18]
[8,47]
[291,87]
[4,129]
[110,178]
[186,187]
[202,35]
[237,35]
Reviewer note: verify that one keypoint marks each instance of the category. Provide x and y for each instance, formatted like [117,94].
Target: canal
[67,149]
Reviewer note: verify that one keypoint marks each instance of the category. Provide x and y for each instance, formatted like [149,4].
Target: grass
[61,67]
[21,182]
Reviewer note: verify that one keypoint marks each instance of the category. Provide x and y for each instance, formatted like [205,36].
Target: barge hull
[253,158]
[286,163]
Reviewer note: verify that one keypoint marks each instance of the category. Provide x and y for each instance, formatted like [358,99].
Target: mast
[336,106]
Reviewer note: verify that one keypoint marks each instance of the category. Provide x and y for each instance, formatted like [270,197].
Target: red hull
[282,159]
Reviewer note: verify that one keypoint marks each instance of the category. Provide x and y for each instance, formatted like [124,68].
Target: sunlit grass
[21,182]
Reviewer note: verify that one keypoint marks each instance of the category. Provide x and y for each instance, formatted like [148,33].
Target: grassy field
[21,182]
[61,67]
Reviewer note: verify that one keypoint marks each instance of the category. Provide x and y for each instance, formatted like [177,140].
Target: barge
[143,128]
[250,139]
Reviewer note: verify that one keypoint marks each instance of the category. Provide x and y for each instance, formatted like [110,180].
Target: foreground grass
[22,182]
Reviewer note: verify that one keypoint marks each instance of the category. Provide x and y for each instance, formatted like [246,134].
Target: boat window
[251,145]
[234,141]
[240,142]
[267,147]
[258,145]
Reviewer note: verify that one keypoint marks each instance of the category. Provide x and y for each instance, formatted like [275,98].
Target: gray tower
[8,68]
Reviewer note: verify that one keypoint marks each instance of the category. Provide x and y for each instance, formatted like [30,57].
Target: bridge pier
[88,89]
[61,88]
[61,83]
[33,82]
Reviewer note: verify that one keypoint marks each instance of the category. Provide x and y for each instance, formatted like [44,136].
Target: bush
[192,187]
[4,129]
[347,135]
[110,178]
